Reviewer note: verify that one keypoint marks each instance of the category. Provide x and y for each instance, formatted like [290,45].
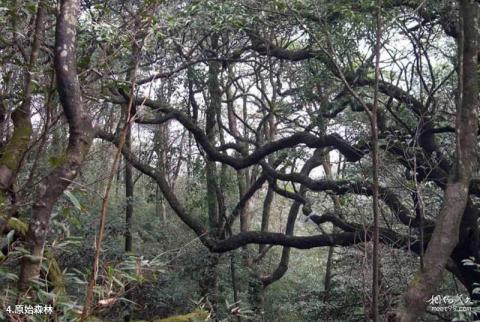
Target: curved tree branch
[350,152]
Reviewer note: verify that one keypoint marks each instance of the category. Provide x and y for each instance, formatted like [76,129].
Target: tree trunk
[80,139]
[446,233]
[327,168]
[375,171]
[267,207]
[233,272]
[210,276]
[13,151]
[129,193]
[129,188]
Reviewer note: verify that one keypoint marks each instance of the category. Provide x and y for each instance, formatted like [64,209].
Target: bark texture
[446,233]
[80,139]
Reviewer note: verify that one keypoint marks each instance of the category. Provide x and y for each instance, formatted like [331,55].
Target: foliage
[231,96]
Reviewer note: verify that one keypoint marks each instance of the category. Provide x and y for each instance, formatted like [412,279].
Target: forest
[239,160]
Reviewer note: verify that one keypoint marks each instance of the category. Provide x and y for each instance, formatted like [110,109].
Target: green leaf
[18,225]
[73,200]
[9,237]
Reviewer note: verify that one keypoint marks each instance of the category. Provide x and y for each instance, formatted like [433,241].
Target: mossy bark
[80,139]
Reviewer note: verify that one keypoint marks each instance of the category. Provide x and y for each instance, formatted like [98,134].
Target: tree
[236,107]
[80,139]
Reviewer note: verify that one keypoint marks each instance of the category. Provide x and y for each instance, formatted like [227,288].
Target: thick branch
[159,178]
[264,238]
[310,140]
[341,187]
